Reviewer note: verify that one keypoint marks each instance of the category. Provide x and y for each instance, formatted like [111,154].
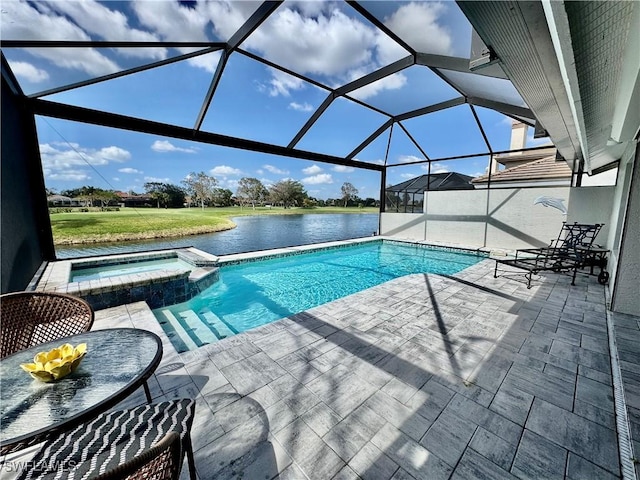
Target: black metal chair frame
[571,251]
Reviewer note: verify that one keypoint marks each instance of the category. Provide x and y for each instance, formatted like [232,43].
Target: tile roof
[547,168]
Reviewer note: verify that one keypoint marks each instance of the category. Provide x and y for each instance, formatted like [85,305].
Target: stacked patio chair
[32,318]
[568,253]
[135,443]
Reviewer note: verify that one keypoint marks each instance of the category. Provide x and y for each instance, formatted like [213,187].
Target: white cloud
[130,170]
[408,175]
[68,175]
[272,169]
[231,183]
[392,82]
[282,83]
[417,24]
[409,158]
[304,107]
[506,122]
[329,43]
[164,146]
[95,18]
[439,168]
[318,179]
[157,180]
[28,72]
[312,170]
[317,38]
[174,21]
[36,21]
[342,169]
[116,179]
[388,50]
[267,182]
[224,170]
[61,157]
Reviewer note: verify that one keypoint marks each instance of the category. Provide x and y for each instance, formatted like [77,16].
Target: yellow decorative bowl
[56,363]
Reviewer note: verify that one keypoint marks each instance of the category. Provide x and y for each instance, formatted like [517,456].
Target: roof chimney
[518,135]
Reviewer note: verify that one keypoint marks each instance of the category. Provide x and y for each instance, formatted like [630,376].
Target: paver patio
[424,377]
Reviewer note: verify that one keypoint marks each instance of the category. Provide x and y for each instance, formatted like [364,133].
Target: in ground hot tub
[160,278]
[84,273]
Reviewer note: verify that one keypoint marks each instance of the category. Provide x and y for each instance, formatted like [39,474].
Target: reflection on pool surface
[254,293]
[105,271]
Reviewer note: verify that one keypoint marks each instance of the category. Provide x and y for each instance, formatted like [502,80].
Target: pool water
[254,293]
[104,271]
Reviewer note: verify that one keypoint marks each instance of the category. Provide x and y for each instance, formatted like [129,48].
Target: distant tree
[309,203]
[165,194]
[349,192]
[176,195]
[200,187]
[50,191]
[105,197]
[91,195]
[251,190]
[222,197]
[156,191]
[370,202]
[82,193]
[287,193]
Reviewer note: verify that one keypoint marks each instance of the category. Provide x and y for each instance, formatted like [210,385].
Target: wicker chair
[32,318]
[117,443]
[160,462]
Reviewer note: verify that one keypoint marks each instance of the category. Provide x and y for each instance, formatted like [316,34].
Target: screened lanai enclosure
[274,77]
[408,196]
[367,92]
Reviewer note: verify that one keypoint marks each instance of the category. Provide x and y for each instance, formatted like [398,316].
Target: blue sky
[328,42]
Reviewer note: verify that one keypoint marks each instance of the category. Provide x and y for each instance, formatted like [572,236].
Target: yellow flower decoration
[56,363]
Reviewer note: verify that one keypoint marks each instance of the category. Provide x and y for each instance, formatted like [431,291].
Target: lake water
[261,232]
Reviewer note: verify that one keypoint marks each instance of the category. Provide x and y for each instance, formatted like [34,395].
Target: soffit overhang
[576,65]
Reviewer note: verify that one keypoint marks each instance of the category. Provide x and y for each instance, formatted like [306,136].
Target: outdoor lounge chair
[118,442]
[32,318]
[568,253]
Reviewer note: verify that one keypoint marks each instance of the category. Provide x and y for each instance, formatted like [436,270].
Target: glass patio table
[118,361]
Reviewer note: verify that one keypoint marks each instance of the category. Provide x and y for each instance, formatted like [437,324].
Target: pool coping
[234,259]
[57,274]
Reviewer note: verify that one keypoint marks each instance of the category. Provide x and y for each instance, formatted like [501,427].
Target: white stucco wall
[496,218]
[405,225]
[593,205]
[626,277]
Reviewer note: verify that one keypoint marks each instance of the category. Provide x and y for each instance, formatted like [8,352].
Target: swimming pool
[254,293]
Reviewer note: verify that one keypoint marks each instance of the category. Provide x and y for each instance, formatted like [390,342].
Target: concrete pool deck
[423,377]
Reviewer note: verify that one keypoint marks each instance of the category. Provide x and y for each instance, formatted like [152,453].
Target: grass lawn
[143,223]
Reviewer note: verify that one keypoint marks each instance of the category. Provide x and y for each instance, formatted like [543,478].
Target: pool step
[198,326]
[179,330]
[222,328]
